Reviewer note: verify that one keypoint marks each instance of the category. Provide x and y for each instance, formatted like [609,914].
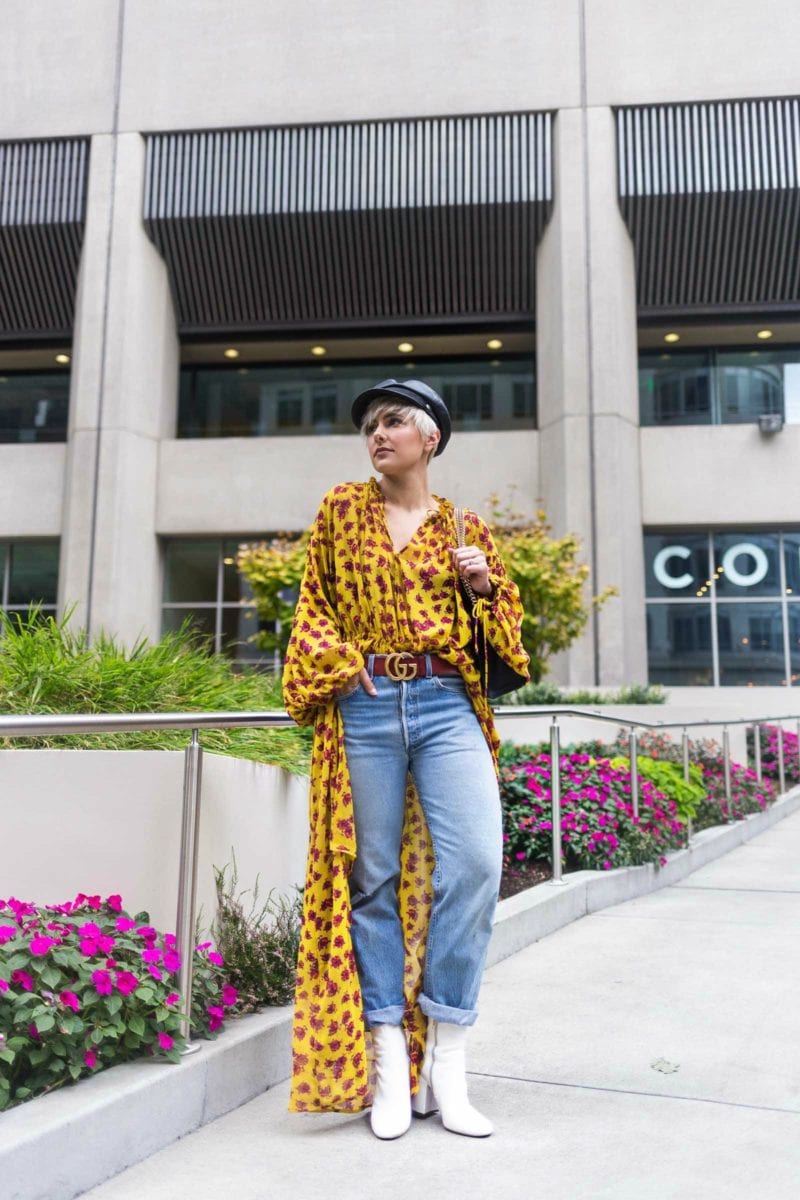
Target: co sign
[754,570]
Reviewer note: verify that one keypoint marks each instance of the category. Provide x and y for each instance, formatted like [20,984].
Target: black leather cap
[410,391]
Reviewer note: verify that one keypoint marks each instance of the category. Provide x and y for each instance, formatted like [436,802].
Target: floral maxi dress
[359,596]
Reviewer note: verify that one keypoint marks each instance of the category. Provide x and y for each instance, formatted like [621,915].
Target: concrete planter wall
[110,820]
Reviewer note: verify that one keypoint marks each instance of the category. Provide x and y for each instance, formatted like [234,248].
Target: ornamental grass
[83,986]
[46,666]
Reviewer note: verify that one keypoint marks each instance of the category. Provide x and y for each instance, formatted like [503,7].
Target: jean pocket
[450,683]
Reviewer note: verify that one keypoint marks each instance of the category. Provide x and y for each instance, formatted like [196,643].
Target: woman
[406,845]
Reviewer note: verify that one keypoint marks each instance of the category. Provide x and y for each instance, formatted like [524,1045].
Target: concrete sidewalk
[650,1051]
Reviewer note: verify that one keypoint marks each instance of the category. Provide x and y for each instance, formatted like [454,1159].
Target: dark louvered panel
[711,195]
[426,219]
[42,215]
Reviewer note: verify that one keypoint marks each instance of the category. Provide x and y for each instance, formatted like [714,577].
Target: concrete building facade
[606,192]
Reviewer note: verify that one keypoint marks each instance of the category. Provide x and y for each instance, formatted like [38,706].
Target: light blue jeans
[426,725]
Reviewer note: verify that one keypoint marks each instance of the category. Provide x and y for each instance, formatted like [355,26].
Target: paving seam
[708,887]
[589,1087]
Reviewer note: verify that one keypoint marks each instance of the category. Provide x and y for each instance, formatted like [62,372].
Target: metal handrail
[39,725]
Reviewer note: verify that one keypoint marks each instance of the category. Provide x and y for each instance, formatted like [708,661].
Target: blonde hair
[395,408]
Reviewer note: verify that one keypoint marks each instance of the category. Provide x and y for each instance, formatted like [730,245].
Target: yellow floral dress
[359,596]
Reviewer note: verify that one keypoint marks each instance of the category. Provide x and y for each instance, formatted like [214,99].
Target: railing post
[187,880]
[633,752]
[555,798]
[685,749]
[757,751]
[726,763]
[781,764]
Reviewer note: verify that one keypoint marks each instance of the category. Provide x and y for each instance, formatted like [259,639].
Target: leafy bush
[84,986]
[599,830]
[668,779]
[747,794]
[260,948]
[48,667]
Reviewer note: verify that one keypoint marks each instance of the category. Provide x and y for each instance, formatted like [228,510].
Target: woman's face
[395,444]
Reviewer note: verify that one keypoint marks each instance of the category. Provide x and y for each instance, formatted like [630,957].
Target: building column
[586,353]
[123,400]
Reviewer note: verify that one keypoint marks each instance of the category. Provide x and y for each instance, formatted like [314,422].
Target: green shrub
[549,694]
[668,779]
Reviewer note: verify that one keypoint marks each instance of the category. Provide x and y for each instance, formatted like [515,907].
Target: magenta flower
[3,985]
[170,941]
[40,944]
[114,902]
[33,1031]
[203,945]
[88,946]
[151,955]
[172,961]
[90,1058]
[172,998]
[123,924]
[165,1041]
[155,971]
[89,929]
[147,932]
[102,982]
[126,983]
[70,1000]
[229,995]
[215,1017]
[7,932]
[214,957]
[23,979]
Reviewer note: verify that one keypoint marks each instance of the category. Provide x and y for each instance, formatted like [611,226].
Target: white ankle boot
[443,1082]
[391,1104]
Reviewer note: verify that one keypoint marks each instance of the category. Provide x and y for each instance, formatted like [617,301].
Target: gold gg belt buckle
[401,665]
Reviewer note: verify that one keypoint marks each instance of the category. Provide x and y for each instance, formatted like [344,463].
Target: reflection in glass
[190,570]
[34,406]
[794,642]
[747,564]
[750,644]
[33,572]
[275,400]
[791,555]
[675,389]
[679,644]
[234,585]
[203,621]
[238,624]
[675,564]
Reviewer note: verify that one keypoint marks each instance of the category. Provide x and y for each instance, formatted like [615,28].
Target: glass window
[750,644]
[201,581]
[717,385]
[675,389]
[746,564]
[791,555]
[276,400]
[34,406]
[29,574]
[679,644]
[755,641]
[191,570]
[675,565]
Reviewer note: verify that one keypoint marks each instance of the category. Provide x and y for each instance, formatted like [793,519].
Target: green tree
[274,570]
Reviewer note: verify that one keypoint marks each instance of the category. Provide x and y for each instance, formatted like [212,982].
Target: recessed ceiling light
[672,337]
[62,358]
[764,334]
[494,344]
[405,347]
[231,352]
[319,351]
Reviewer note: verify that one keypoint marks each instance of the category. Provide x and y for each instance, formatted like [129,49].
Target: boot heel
[423,1102]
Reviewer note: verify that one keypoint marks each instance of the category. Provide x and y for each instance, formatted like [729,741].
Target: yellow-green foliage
[668,778]
[272,568]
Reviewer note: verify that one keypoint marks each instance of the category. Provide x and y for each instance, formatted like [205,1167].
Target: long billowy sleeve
[502,610]
[318,659]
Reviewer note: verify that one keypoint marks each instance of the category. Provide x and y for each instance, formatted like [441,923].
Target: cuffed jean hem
[443,1012]
[393,1015]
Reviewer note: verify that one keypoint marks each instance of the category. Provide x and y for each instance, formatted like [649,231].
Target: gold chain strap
[462,541]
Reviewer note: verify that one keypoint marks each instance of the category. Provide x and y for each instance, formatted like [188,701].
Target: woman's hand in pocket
[362,679]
